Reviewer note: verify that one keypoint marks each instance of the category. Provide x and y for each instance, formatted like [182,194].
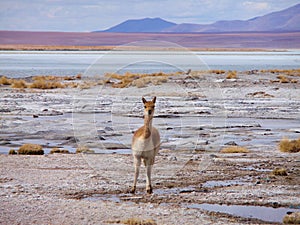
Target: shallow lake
[28,63]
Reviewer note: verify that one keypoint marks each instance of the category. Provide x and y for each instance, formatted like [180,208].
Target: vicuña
[145,145]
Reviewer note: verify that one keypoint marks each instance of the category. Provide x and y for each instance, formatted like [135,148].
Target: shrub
[279,172]
[234,149]
[31,149]
[136,221]
[231,75]
[290,146]
[293,218]
[57,150]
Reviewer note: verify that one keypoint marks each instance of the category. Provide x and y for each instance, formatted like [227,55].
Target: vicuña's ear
[144,100]
[154,99]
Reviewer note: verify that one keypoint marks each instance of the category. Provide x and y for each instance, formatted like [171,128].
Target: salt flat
[197,115]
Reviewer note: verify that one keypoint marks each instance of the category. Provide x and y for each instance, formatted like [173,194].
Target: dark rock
[50,113]
[3,110]
[231,143]
[108,129]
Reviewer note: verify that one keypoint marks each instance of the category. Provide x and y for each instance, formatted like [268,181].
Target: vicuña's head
[149,106]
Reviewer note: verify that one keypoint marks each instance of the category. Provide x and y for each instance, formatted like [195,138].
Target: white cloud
[257,6]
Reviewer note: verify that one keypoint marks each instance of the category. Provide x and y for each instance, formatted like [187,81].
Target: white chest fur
[141,144]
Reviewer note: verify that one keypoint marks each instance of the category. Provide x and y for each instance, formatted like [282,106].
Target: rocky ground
[197,115]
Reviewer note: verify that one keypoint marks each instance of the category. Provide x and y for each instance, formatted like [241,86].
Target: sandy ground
[197,115]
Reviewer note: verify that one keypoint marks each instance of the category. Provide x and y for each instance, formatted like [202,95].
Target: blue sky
[91,15]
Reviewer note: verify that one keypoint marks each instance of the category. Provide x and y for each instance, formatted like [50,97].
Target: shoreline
[18,47]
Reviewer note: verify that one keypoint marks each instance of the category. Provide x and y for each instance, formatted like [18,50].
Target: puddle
[116,198]
[222,183]
[99,197]
[115,151]
[264,213]
[173,191]
[258,212]
[129,197]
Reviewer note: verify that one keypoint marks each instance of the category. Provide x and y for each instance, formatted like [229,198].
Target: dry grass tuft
[279,172]
[231,74]
[217,71]
[78,76]
[290,146]
[136,79]
[260,94]
[293,218]
[290,72]
[12,152]
[18,84]
[45,83]
[235,149]
[5,81]
[283,79]
[57,150]
[84,149]
[136,221]
[282,75]
[31,149]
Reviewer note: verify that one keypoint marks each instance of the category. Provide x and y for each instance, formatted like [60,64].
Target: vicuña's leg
[148,184]
[137,164]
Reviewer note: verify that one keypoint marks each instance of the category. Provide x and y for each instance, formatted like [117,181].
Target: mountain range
[281,21]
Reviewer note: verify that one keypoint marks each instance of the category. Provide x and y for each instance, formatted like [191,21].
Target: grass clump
[46,82]
[283,79]
[279,172]
[136,221]
[291,146]
[288,72]
[84,149]
[31,149]
[235,149]
[217,71]
[5,81]
[293,218]
[260,94]
[12,152]
[231,74]
[57,150]
[18,84]
[136,79]
[42,82]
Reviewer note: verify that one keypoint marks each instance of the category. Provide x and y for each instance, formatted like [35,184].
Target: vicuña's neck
[147,126]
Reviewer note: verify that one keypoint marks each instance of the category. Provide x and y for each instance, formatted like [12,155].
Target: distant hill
[147,25]
[281,21]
